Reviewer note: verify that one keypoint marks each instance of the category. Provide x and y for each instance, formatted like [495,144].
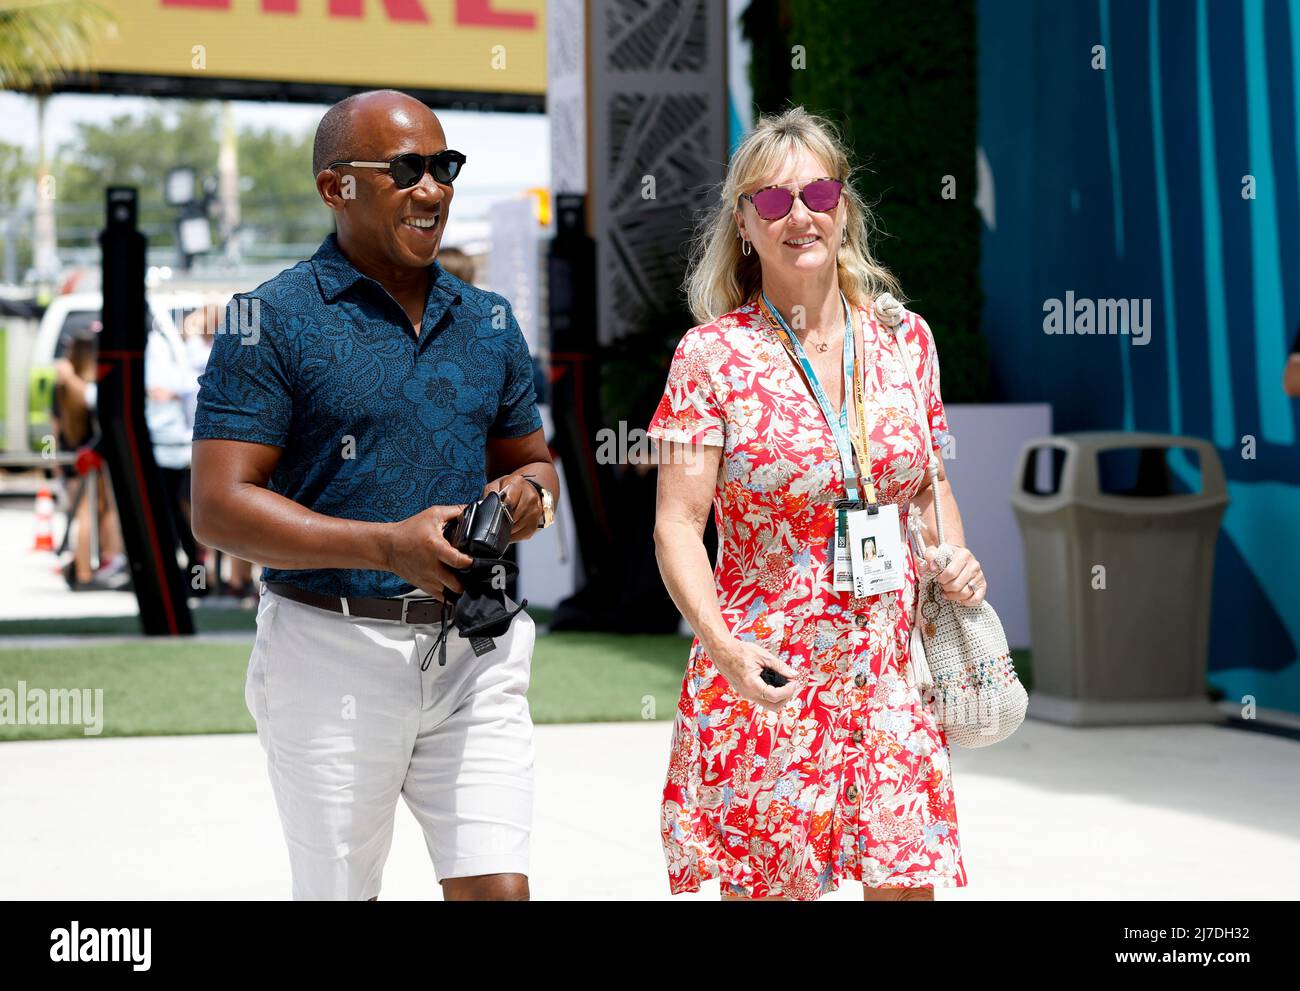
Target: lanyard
[862,437]
[839,425]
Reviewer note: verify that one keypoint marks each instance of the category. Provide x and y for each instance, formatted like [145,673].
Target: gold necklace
[821,346]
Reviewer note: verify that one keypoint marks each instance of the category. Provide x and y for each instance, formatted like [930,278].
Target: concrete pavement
[1178,812]
[1170,812]
[31,586]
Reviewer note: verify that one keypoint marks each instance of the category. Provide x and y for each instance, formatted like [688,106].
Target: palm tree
[42,39]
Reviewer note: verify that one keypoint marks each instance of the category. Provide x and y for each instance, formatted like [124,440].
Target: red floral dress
[852,778]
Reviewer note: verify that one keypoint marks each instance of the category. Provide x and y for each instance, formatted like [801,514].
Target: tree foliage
[40,40]
[899,79]
[278,204]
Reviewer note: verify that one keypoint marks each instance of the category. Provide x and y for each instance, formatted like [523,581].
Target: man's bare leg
[464,893]
[486,887]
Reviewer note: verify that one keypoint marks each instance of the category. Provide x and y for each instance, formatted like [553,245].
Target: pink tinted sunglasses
[774,202]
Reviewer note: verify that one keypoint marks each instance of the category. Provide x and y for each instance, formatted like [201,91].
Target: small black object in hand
[773,678]
[482,530]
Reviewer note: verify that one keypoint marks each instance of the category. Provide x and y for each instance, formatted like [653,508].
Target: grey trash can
[1119,558]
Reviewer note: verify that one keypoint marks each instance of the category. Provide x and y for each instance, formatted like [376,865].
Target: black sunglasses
[408,169]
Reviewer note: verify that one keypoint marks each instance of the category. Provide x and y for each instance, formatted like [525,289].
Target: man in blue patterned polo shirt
[352,406]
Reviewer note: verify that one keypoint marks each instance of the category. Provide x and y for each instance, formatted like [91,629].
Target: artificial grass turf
[207,619]
[162,688]
[165,687]
[212,620]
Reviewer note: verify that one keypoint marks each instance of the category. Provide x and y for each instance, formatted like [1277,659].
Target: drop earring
[744,246]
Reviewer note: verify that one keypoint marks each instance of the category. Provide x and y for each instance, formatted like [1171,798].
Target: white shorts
[349,721]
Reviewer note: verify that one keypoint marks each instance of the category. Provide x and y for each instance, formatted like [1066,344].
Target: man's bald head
[336,134]
[380,225]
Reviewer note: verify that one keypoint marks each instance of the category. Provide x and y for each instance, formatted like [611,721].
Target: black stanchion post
[147,531]
[575,389]
[575,405]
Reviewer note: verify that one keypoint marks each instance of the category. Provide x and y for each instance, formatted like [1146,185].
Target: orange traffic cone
[44,521]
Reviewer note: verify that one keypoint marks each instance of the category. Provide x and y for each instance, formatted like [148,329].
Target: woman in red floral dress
[843,772]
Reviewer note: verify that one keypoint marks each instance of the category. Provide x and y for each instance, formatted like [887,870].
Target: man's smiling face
[399,228]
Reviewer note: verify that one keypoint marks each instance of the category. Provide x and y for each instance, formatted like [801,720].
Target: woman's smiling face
[803,240]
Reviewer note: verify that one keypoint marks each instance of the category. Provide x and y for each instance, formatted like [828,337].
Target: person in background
[73,418]
[1291,375]
[171,387]
[457,263]
[198,330]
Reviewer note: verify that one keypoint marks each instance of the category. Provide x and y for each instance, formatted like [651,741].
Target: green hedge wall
[899,79]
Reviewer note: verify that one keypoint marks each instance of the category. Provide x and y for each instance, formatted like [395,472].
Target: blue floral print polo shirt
[374,423]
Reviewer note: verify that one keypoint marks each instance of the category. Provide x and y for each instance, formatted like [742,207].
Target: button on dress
[852,779]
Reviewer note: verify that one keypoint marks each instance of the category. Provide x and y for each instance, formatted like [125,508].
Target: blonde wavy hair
[719,278]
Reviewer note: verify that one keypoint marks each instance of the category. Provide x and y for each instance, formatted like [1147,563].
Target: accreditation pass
[842,562]
[875,550]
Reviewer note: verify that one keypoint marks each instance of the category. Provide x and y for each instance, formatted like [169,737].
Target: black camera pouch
[482,611]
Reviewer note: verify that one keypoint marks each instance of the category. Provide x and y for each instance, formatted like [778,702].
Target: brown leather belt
[413,611]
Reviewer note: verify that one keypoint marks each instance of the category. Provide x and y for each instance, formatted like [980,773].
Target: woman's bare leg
[894,894]
[110,528]
[729,897]
[82,570]
[742,898]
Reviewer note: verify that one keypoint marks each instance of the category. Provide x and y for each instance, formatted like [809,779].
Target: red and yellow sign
[483,46]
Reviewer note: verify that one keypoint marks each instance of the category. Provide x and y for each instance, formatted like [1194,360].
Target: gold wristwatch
[548,502]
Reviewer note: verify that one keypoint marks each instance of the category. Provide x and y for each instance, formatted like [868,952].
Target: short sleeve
[246,391]
[690,411]
[517,415]
[928,361]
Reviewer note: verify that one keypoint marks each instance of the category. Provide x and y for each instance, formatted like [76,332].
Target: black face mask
[482,611]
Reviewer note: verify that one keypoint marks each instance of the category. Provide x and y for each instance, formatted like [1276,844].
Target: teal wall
[1126,182]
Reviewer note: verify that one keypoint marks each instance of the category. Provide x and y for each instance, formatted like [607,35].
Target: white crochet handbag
[959,655]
